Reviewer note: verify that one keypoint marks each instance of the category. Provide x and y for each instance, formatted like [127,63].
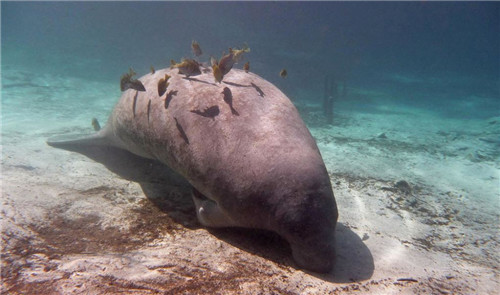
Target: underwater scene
[250,147]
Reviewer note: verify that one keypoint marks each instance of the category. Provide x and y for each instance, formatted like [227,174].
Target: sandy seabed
[418,199]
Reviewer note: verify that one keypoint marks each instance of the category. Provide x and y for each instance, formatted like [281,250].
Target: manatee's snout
[308,219]
[317,257]
[314,250]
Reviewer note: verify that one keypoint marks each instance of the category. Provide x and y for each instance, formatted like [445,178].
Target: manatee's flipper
[209,213]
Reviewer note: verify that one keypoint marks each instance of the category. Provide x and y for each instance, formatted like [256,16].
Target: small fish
[246,67]
[210,112]
[217,73]
[126,82]
[96,124]
[188,67]
[283,73]
[226,63]
[228,98]
[169,97]
[238,53]
[196,48]
[136,85]
[152,70]
[162,85]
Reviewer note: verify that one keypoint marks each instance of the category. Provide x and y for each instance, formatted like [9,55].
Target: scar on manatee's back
[198,80]
[261,93]
[236,84]
[149,109]
[134,102]
[181,131]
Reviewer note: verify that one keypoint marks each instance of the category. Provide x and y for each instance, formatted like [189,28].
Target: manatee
[250,160]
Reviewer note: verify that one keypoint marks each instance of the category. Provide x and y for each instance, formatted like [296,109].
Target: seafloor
[417,196]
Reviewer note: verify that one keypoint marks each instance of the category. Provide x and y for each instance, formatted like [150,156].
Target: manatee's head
[310,230]
[306,217]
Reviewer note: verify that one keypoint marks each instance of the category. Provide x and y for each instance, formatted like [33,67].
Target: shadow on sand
[354,261]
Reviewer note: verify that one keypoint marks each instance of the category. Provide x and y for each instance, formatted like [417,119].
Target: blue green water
[428,55]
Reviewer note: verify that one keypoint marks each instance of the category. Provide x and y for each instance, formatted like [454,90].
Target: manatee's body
[250,157]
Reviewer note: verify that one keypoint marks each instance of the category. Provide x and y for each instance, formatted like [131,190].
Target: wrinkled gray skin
[258,169]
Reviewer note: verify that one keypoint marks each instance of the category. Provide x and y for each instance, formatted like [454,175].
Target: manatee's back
[193,129]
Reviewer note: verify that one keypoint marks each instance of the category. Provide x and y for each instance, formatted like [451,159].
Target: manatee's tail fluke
[78,143]
[101,148]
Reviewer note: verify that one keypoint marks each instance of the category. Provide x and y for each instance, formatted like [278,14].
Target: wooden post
[330,95]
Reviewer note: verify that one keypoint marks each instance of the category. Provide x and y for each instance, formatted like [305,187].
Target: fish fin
[213,61]
[246,48]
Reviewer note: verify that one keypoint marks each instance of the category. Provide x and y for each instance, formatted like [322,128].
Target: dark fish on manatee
[283,73]
[162,85]
[246,67]
[216,70]
[228,98]
[210,112]
[196,48]
[217,73]
[96,124]
[226,63]
[152,70]
[188,67]
[126,82]
[136,85]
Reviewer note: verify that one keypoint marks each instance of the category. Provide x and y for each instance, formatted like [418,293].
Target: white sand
[71,225]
